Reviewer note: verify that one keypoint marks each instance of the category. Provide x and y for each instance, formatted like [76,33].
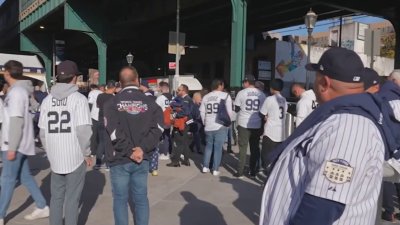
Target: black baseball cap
[276,84]
[249,78]
[67,67]
[370,77]
[111,84]
[144,83]
[339,64]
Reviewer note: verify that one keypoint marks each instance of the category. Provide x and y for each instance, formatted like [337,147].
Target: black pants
[165,144]
[246,136]
[389,190]
[94,140]
[267,146]
[181,142]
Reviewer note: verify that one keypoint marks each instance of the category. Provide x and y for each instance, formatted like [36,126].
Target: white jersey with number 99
[250,101]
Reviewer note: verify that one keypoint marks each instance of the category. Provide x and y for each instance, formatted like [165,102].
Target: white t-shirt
[275,108]
[250,101]
[92,99]
[16,104]
[59,119]
[209,109]
[305,106]
[339,159]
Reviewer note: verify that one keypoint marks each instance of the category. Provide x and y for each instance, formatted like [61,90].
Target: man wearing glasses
[182,106]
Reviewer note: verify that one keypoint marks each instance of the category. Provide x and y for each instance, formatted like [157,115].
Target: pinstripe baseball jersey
[59,119]
[396,108]
[250,101]
[274,108]
[16,104]
[339,159]
[306,104]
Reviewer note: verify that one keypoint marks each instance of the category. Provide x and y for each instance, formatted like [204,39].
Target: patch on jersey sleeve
[338,171]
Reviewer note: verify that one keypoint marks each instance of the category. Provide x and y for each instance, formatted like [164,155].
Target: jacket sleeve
[328,211]
[112,122]
[151,138]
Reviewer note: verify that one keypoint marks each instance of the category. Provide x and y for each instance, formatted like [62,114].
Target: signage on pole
[372,44]
[171,65]
[172,43]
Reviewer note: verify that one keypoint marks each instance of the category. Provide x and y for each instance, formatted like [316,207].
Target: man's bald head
[129,76]
[395,76]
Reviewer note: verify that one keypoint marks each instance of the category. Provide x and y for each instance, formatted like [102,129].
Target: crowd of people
[126,128]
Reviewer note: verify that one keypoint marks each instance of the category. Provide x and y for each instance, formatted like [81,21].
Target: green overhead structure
[238,41]
[40,45]
[78,17]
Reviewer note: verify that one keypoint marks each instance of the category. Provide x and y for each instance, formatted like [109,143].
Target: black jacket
[129,120]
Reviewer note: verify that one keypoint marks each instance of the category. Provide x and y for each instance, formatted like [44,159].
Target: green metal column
[40,45]
[238,41]
[79,16]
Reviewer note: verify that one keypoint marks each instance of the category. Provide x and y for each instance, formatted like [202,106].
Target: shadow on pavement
[198,212]
[249,194]
[94,186]
[45,188]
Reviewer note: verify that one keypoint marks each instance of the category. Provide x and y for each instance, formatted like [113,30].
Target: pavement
[178,196]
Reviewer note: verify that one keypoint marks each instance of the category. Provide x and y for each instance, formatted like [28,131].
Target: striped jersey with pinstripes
[345,141]
[59,119]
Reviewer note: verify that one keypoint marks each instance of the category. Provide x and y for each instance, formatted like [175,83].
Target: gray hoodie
[17,128]
[61,90]
[84,133]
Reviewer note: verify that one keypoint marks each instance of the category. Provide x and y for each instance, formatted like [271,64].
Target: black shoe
[239,175]
[186,163]
[172,164]
[252,176]
[388,216]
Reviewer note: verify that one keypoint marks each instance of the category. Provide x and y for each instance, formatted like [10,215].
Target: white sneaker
[1,222]
[216,173]
[206,170]
[38,214]
[163,157]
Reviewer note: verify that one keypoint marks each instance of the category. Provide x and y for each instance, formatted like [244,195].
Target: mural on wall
[291,60]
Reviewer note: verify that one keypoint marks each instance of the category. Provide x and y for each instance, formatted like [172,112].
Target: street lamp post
[129,59]
[310,19]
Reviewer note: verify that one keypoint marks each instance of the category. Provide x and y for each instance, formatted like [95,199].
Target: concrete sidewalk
[178,196]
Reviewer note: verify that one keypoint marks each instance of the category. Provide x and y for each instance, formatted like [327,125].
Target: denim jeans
[214,141]
[13,171]
[130,179]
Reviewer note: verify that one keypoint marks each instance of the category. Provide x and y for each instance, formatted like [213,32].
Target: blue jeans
[214,141]
[130,178]
[13,171]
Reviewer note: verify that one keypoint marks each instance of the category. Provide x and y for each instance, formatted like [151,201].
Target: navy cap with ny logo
[340,64]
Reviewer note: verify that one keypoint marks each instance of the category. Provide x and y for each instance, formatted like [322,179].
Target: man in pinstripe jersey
[331,173]
[65,130]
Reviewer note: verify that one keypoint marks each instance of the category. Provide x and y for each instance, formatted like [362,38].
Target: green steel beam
[39,13]
[41,46]
[238,41]
[79,18]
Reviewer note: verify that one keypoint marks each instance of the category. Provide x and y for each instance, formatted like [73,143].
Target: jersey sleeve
[203,111]
[239,99]
[302,112]
[81,113]
[265,107]
[345,157]
[1,110]
[43,113]
[229,107]
[16,104]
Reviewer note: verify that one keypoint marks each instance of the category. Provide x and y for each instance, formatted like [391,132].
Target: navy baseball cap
[276,84]
[370,77]
[67,68]
[339,64]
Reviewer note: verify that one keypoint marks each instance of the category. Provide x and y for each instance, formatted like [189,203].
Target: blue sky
[324,25]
